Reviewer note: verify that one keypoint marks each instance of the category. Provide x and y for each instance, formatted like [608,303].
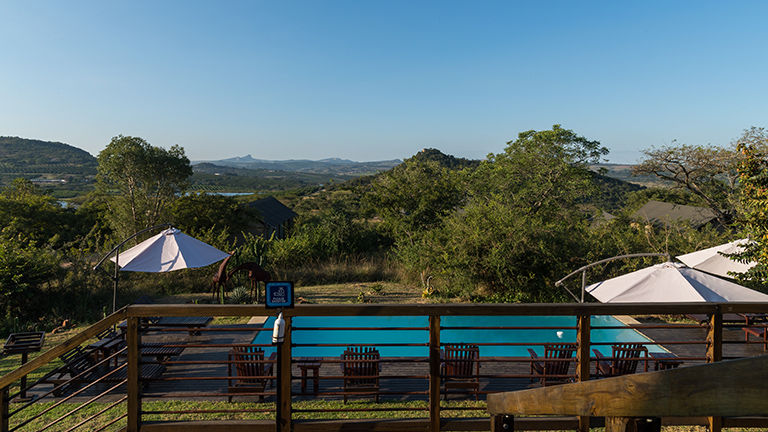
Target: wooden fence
[714,341]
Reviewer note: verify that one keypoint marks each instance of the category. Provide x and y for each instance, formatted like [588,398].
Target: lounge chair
[160,351]
[360,367]
[252,372]
[79,367]
[108,343]
[728,318]
[555,364]
[461,368]
[758,332]
[623,361]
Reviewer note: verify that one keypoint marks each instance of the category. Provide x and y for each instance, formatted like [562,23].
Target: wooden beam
[715,354]
[727,388]
[133,386]
[583,333]
[434,373]
[284,422]
[4,402]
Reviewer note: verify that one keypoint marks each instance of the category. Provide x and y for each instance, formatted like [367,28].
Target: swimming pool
[559,329]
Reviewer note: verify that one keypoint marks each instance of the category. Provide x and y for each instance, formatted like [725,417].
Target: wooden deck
[175,382]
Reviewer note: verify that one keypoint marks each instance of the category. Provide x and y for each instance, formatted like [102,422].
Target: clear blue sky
[372,80]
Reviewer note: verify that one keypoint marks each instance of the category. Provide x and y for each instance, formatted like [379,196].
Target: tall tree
[414,195]
[753,179]
[522,224]
[140,180]
[709,172]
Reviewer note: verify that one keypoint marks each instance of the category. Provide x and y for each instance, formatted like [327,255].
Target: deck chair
[624,360]
[252,373]
[554,365]
[360,367]
[460,368]
[77,363]
[758,332]
[108,343]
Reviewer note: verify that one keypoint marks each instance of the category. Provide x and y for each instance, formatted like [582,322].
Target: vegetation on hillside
[502,229]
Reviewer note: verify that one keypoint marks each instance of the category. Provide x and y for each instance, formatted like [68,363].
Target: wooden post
[4,409]
[715,354]
[133,385]
[502,423]
[434,373]
[284,422]
[582,357]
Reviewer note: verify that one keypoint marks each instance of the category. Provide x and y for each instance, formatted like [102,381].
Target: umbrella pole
[114,287]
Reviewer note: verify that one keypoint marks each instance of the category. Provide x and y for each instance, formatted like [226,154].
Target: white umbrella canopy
[712,261]
[671,282]
[168,251]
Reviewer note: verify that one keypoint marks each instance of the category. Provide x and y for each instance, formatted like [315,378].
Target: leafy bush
[240,295]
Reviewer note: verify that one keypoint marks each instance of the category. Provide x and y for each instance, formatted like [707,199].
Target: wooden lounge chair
[555,364]
[108,343]
[78,368]
[758,332]
[252,373]
[360,367]
[728,318]
[160,351]
[623,361]
[461,368]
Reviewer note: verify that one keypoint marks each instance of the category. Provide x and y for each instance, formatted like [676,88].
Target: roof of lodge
[273,212]
[658,212]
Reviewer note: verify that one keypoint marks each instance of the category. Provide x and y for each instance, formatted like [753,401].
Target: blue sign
[279,294]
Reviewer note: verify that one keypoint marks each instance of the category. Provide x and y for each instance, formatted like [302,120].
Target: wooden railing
[420,377]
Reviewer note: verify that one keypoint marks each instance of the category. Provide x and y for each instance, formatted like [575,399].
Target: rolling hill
[29,156]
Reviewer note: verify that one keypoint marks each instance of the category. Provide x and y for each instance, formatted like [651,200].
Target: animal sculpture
[256,274]
[219,282]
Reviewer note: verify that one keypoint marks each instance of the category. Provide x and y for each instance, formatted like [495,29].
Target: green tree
[140,181]
[414,196]
[753,179]
[24,269]
[27,210]
[708,172]
[200,211]
[522,225]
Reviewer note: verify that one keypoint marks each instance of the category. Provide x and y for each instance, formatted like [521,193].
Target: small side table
[664,360]
[310,364]
[23,343]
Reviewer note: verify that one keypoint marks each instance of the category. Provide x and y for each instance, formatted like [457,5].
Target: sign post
[279,295]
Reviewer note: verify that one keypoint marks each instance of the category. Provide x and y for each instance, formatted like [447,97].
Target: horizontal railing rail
[165,363]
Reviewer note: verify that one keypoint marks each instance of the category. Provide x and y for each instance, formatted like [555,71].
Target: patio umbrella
[671,282]
[168,251]
[712,260]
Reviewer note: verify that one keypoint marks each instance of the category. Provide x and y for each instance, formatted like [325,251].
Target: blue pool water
[557,331]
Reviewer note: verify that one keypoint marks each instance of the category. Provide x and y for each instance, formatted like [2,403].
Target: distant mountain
[332,166]
[21,156]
